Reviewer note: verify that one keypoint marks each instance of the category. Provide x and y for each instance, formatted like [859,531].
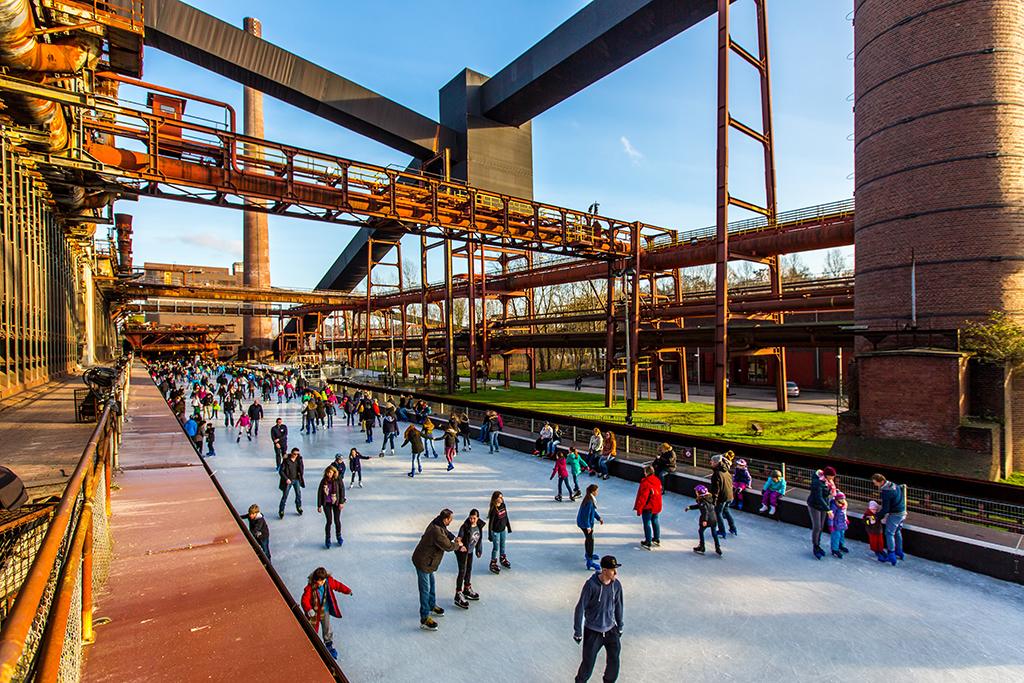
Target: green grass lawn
[546,376]
[805,432]
[1017,479]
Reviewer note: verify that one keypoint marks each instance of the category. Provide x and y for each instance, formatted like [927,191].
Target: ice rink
[767,610]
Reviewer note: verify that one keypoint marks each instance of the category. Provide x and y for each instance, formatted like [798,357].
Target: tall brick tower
[940,202]
[255,233]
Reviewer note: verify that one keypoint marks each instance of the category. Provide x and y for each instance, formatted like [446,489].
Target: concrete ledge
[1000,562]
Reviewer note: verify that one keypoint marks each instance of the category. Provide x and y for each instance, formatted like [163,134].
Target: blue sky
[641,141]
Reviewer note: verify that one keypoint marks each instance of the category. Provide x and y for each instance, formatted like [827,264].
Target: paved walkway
[187,597]
[41,437]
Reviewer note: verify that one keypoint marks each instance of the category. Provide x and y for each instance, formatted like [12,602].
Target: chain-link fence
[994,514]
[53,557]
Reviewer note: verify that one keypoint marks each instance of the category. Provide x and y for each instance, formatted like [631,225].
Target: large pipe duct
[123,224]
[19,48]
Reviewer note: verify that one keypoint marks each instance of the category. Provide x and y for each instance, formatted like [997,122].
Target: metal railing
[51,618]
[808,214]
[995,514]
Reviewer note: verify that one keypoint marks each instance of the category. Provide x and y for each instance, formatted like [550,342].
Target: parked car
[792,389]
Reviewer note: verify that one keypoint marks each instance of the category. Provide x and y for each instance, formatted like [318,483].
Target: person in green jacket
[575,462]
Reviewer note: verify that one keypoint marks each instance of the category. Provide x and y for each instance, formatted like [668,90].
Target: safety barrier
[67,548]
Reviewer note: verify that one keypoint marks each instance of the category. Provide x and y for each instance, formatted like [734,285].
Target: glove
[578,639]
[311,613]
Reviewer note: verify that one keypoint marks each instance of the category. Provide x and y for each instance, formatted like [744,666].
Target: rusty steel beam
[128,289]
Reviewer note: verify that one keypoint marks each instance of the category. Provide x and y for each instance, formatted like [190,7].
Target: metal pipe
[19,48]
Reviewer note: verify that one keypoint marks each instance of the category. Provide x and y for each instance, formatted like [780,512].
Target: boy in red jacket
[320,604]
[875,529]
[648,507]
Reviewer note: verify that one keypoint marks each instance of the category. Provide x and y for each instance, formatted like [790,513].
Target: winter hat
[717,458]
[829,471]
[741,463]
[776,473]
[873,505]
[840,495]
[700,490]
[338,457]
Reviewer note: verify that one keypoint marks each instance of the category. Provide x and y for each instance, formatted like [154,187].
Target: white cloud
[632,152]
[229,247]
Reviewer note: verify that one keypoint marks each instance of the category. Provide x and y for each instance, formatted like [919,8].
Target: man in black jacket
[256,414]
[279,435]
[291,473]
[721,489]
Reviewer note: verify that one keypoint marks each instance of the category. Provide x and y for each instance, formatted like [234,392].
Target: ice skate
[559,498]
[495,569]
[699,549]
[299,511]
[818,552]
[461,601]
[327,543]
[508,565]
[718,551]
[341,541]
[411,474]
[836,554]
[645,545]
[656,543]
[843,549]
[330,648]
[437,611]
[468,593]
[428,624]
[591,565]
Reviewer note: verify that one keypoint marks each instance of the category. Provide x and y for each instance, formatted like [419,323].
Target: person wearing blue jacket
[585,518]
[819,505]
[600,608]
[892,513]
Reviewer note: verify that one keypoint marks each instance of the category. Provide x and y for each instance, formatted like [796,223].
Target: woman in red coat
[648,507]
[320,603]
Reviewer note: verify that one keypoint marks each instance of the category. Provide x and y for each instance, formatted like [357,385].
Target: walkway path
[187,597]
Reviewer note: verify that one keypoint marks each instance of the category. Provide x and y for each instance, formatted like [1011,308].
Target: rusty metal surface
[206,610]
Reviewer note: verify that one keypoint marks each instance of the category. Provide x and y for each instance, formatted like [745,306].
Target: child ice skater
[320,604]
[562,470]
[574,461]
[839,525]
[772,491]
[451,440]
[211,436]
[875,529]
[740,483]
[471,533]
[356,467]
[706,504]
[259,529]
[244,425]
[585,518]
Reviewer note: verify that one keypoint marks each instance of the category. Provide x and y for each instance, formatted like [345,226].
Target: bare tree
[836,264]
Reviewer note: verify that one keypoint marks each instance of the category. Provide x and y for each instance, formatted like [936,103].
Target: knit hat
[717,458]
[829,471]
[840,495]
[873,505]
[741,463]
[700,490]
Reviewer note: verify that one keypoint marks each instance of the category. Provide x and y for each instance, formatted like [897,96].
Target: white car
[792,389]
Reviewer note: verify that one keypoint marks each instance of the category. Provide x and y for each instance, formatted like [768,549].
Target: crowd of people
[199,391]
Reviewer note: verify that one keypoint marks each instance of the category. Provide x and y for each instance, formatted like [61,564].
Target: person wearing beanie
[839,525]
[819,505]
[706,504]
[771,492]
[740,482]
[665,463]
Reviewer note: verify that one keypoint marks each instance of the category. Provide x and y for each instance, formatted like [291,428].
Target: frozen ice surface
[766,610]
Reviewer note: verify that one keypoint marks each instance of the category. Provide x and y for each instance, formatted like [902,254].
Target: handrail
[100,448]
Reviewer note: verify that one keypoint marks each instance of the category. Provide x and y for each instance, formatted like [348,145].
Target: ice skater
[291,478]
[244,426]
[562,470]
[706,504]
[211,436]
[892,513]
[648,507]
[840,524]
[740,482]
[414,437]
[499,527]
[721,491]
[320,604]
[772,491]
[259,529]
[875,530]
[428,438]
[819,505]
[597,621]
[426,558]
[356,467]
[389,429]
[330,500]
[574,461]
[471,534]
[451,441]
[585,518]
